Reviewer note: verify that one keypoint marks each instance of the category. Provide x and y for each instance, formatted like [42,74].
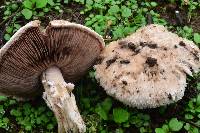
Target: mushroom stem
[61,101]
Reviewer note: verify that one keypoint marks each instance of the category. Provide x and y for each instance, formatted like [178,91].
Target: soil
[195,23]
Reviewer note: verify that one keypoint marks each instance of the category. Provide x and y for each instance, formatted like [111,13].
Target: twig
[149,19]
[11,16]
[178,17]
[7,19]
[190,122]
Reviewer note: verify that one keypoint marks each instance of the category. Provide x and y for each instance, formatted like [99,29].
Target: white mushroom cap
[148,68]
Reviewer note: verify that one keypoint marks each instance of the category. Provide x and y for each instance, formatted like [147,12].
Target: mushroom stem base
[61,101]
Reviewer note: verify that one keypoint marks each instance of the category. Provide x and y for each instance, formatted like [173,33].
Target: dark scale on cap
[124,82]
[162,71]
[151,61]
[165,48]
[181,43]
[175,46]
[132,46]
[109,62]
[99,60]
[143,44]
[124,61]
[195,54]
[152,45]
[170,96]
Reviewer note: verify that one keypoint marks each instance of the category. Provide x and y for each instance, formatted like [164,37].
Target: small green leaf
[197,38]
[107,104]
[7,12]
[7,37]
[11,102]
[159,130]
[17,26]
[119,130]
[2,111]
[89,2]
[101,112]
[15,112]
[187,126]
[28,4]
[165,127]
[86,102]
[195,130]
[46,9]
[66,1]
[33,1]
[126,12]
[198,100]
[5,120]
[175,125]
[14,7]
[120,115]
[188,116]
[114,9]
[198,109]
[27,13]
[41,3]
[50,2]
[50,126]
[153,4]
[28,128]
[3,98]
[9,29]
[198,115]
[198,86]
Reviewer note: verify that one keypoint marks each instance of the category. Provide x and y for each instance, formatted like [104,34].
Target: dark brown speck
[152,46]
[124,82]
[170,96]
[151,61]
[132,46]
[165,48]
[109,62]
[99,60]
[181,43]
[124,61]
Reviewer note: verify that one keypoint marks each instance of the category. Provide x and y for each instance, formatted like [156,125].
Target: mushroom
[62,52]
[148,68]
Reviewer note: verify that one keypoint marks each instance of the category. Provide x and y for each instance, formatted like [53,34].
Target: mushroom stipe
[33,58]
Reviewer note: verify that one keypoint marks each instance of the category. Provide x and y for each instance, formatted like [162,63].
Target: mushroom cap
[148,68]
[71,47]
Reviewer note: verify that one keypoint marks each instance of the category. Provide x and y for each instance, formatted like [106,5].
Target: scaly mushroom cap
[148,69]
[71,47]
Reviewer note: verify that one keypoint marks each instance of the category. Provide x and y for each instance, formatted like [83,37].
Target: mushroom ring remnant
[148,68]
[63,52]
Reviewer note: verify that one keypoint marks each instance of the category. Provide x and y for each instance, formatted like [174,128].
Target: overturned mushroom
[148,68]
[63,51]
